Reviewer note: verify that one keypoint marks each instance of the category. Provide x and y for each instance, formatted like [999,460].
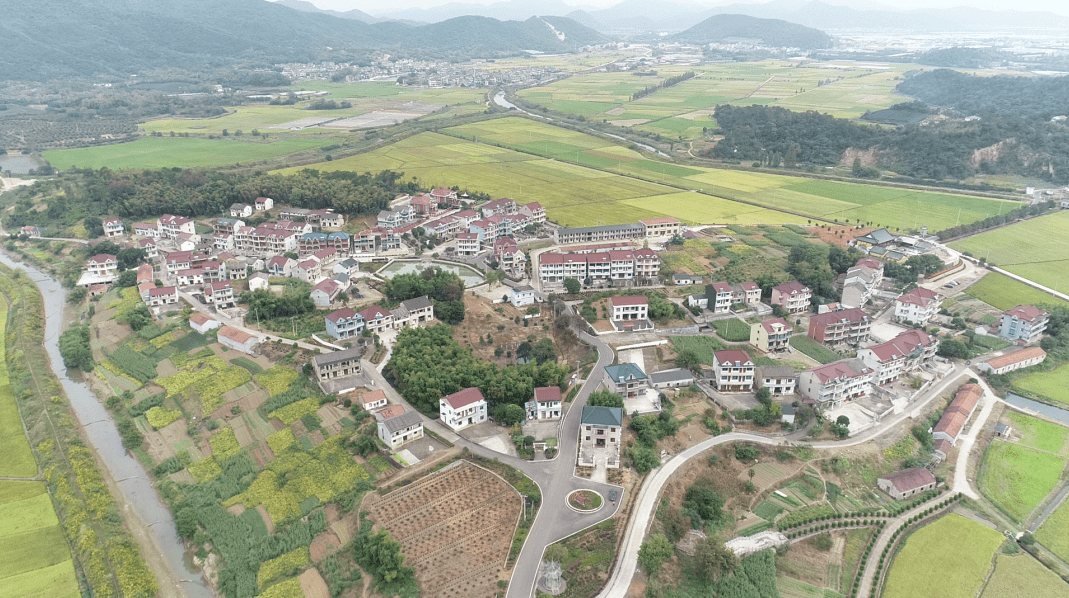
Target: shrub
[159,417]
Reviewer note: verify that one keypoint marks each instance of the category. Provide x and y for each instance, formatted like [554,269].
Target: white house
[162,296]
[239,340]
[778,379]
[600,430]
[462,409]
[1024,358]
[546,404]
[733,371]
[832,384]
[263,204]
[917,306]
[521,296]
[675,378]
[240,210]
[113,227]
[102,265]
[258,281]
[219,293]
[202,323]
[373,400]
[400,428]
[903,354]
[324,293]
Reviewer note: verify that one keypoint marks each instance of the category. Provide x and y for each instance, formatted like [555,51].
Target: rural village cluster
[895,362]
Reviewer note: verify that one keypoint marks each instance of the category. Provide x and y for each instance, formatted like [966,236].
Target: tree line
[669,82]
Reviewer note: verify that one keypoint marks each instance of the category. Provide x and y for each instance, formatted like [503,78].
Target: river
[133,481]
[1055,413]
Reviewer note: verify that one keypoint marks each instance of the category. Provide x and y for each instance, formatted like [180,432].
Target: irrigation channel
[132,479]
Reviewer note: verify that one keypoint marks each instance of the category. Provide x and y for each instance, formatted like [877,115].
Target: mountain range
[643,16]
[63,38]
[769,32]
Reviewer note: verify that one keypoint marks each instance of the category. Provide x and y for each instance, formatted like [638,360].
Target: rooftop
[909,479]
[402,421]
[622,372]
[674,375]
[463,398]
[602,416]
[338,356]
[547,394]
[1016,357]
[238,336]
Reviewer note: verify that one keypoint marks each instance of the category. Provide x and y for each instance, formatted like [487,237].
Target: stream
[132,479]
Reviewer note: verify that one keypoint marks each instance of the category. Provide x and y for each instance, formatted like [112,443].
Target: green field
[830,200]
[178,152]
[813,349]
[1018,478]
[704,347]
[948,558]
[733,330]
[1052,385]
[1054,533]
[1003,292]
[35,558]
[1038,434]
[572,195]
[18,460]
[1037,249]
[682,111]
[1023,575]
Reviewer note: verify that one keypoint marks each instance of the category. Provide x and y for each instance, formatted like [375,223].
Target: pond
[469,275]
[17,163]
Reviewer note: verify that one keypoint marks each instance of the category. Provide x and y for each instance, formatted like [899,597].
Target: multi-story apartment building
[614,264]
[733,371]
[226,226]
[792,296]
[594,234]
[462,409]
[281,265]
[339,241]
[534,211]
[498,206]
[376,319]
[903,354]
[468,244]
[219,294]
[835,383]
[771,336]
[1023,324]
[397,217]
[917,306]
[849,326]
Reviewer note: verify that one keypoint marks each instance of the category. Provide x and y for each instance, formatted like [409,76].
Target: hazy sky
[378,6]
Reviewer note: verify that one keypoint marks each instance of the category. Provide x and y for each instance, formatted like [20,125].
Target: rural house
[625,379]
[344,323]
[600,430]
[202,323]
[905,353]
[335,370]
[849,326]
[545,405]
[906,483]
[1024,358]
[778,379]
[399,429]
[733,371]
[792,296]
[1023,324]
[373,400]
[462,409]
[835,383]
[955,417]
[238,340]
[771,336]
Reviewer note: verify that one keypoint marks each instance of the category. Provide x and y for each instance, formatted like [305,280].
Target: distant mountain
[92,38]
[585,19]
[770,32]
[305,6]
[510,10]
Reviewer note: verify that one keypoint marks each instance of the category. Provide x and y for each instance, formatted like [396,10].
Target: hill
[769,32]
[115,38]
[354,14]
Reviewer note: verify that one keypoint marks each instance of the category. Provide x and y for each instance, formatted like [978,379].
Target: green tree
[75,350]
[713,560]
[605,398]
[126,279]
[572,285]
[952,349]
[644,458]
[703,499]
[653,553]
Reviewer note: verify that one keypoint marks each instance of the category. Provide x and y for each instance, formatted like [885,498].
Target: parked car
[612,496]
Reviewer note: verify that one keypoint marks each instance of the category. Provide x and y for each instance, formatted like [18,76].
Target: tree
[653,553]
[76,295]
[644,458]
[764,395]
[572,285]
[127,278]
[94,226]
[713,560]
[75,350]
[605,398]
[842,420]
[924,264]
[703,499]
[185,522]
[952,349]
[688,359]
[841,427]
[508,415]
[129,257]
[746,452]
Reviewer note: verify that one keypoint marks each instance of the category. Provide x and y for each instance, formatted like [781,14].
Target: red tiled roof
[373,397]
[910,479]
[373,312]
[1016,357]
[391,412]
[841,369]
[957,413]
[943,445]
[238,336]
[721,287]
[662,220]
[343,313]
[750,286]
[1027,313]
[870,262]
[853,314]
[158,292]
[791,287]
[220,285]
[328,286]
[767,324]
[547,394]
[732,356]
[629,300]
[550,258]
[102,258]
[464,398]
[200,319]
[902,345]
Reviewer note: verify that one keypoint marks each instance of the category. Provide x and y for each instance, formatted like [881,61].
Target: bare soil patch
[483,318]
[312,584]
[838,235]
[262,510]
[324,545]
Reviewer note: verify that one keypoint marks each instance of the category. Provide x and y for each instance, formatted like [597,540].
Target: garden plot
[35,558]
[455,528]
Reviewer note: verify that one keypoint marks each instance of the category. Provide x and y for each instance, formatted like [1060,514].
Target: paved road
[627,563]
[961,469]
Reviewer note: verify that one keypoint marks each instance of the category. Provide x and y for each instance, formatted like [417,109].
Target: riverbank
[107,479]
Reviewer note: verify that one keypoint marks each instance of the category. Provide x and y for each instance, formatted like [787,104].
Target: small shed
[1002,430]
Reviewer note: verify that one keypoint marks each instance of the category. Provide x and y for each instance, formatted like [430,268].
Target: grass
[35,559]
[703,346]
[1023,575]
[178,152]
[1018,478]
[768,510]
[813,349]
[733,330]
[1052,385]
[1037,248]
[1054,533]
[1002,292]
[248,364]
[1038,434]
[952,554]
[18,460]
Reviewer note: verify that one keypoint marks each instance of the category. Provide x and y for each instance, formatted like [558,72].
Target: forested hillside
[770,32]
[1026,98]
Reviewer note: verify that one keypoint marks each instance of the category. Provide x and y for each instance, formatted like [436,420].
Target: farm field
[572,195]
[1037,433]
[1002,292]
[179,152]
[18,461]
[829,200]
[35,559]
[454,557]
[842,89]
[1023,575]
[949,558]
[364,97]
[1054,533]
[1036,249]
[813,349]
[1052,385]
[1017,478]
